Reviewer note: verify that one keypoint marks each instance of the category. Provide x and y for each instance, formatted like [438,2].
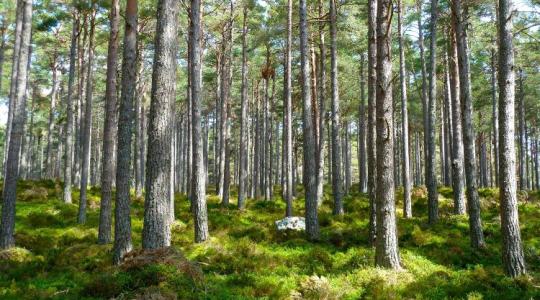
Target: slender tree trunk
[86,134]
[336,152]
[243,160]
[224,100]
[371,128]
[288,156]
[431,175]
[310,176]
[122,226]
[322,105]
[3,39]
[386,252]
[109,128]
[139,136]
[18,99]
[447,121]
[473,201]
[362,154]
[424,92]
[458,180]
[157,226]
[537,161]
[13,85]
[522,153]
[512,250]
[29,150]
[198,184]
[495,115]
[79,121]
[407,207]
[52,109]
[68,157]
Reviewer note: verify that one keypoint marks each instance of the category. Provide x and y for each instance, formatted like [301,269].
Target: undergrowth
[246,258]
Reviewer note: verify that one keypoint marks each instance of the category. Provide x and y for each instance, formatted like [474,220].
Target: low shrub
[314,288]
[48,218]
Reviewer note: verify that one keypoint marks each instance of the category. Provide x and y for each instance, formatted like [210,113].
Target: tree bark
[321,95]
[244,118]
[109,128]
[7,225]
[224,76]
[122,225]
[522,142]
[68,157]
[473,201]
[198,183]
[13,85]
[495,116]
[362,154]
[52,108]
[157,226]
[288,157]
[371,128]
[431,175]
[458,180]
[337,188]
[86,134]
[512,250]
[3,39]
[386,251]
[310,176]
[407,207]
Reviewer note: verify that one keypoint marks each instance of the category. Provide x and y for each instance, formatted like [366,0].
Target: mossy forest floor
[246,258]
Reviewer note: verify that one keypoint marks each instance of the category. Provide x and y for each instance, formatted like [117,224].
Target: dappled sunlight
[246,256]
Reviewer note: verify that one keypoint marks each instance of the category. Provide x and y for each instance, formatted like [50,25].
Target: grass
[247,258]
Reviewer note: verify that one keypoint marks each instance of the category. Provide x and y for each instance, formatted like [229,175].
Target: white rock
[291,223]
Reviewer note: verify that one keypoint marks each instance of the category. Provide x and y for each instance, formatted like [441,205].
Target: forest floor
[247,258]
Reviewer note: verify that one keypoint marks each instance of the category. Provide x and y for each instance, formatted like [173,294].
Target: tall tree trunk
[86,134]
[157,226]
[109,128]
[495,115]
[29,151]
[79,121]
[3,39]
[431,175]
[512,250]
[322,105]
[537,161]
[371,127]
[52,109]
[424,92]
[310,176]
[362,154]
[458,180]
[288,156]
[68,157]
[139,119]
[337,184]
[386,252]
[447,121]
[13,85]
[198,184]
[243,160]
[18,99]
[122,225]
[473,201]
[522,142]
[407,207]
[224,100]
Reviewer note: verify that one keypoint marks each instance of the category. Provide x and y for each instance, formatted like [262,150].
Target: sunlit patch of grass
[247,258]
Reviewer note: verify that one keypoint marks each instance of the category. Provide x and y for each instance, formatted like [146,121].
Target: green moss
[247,258]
